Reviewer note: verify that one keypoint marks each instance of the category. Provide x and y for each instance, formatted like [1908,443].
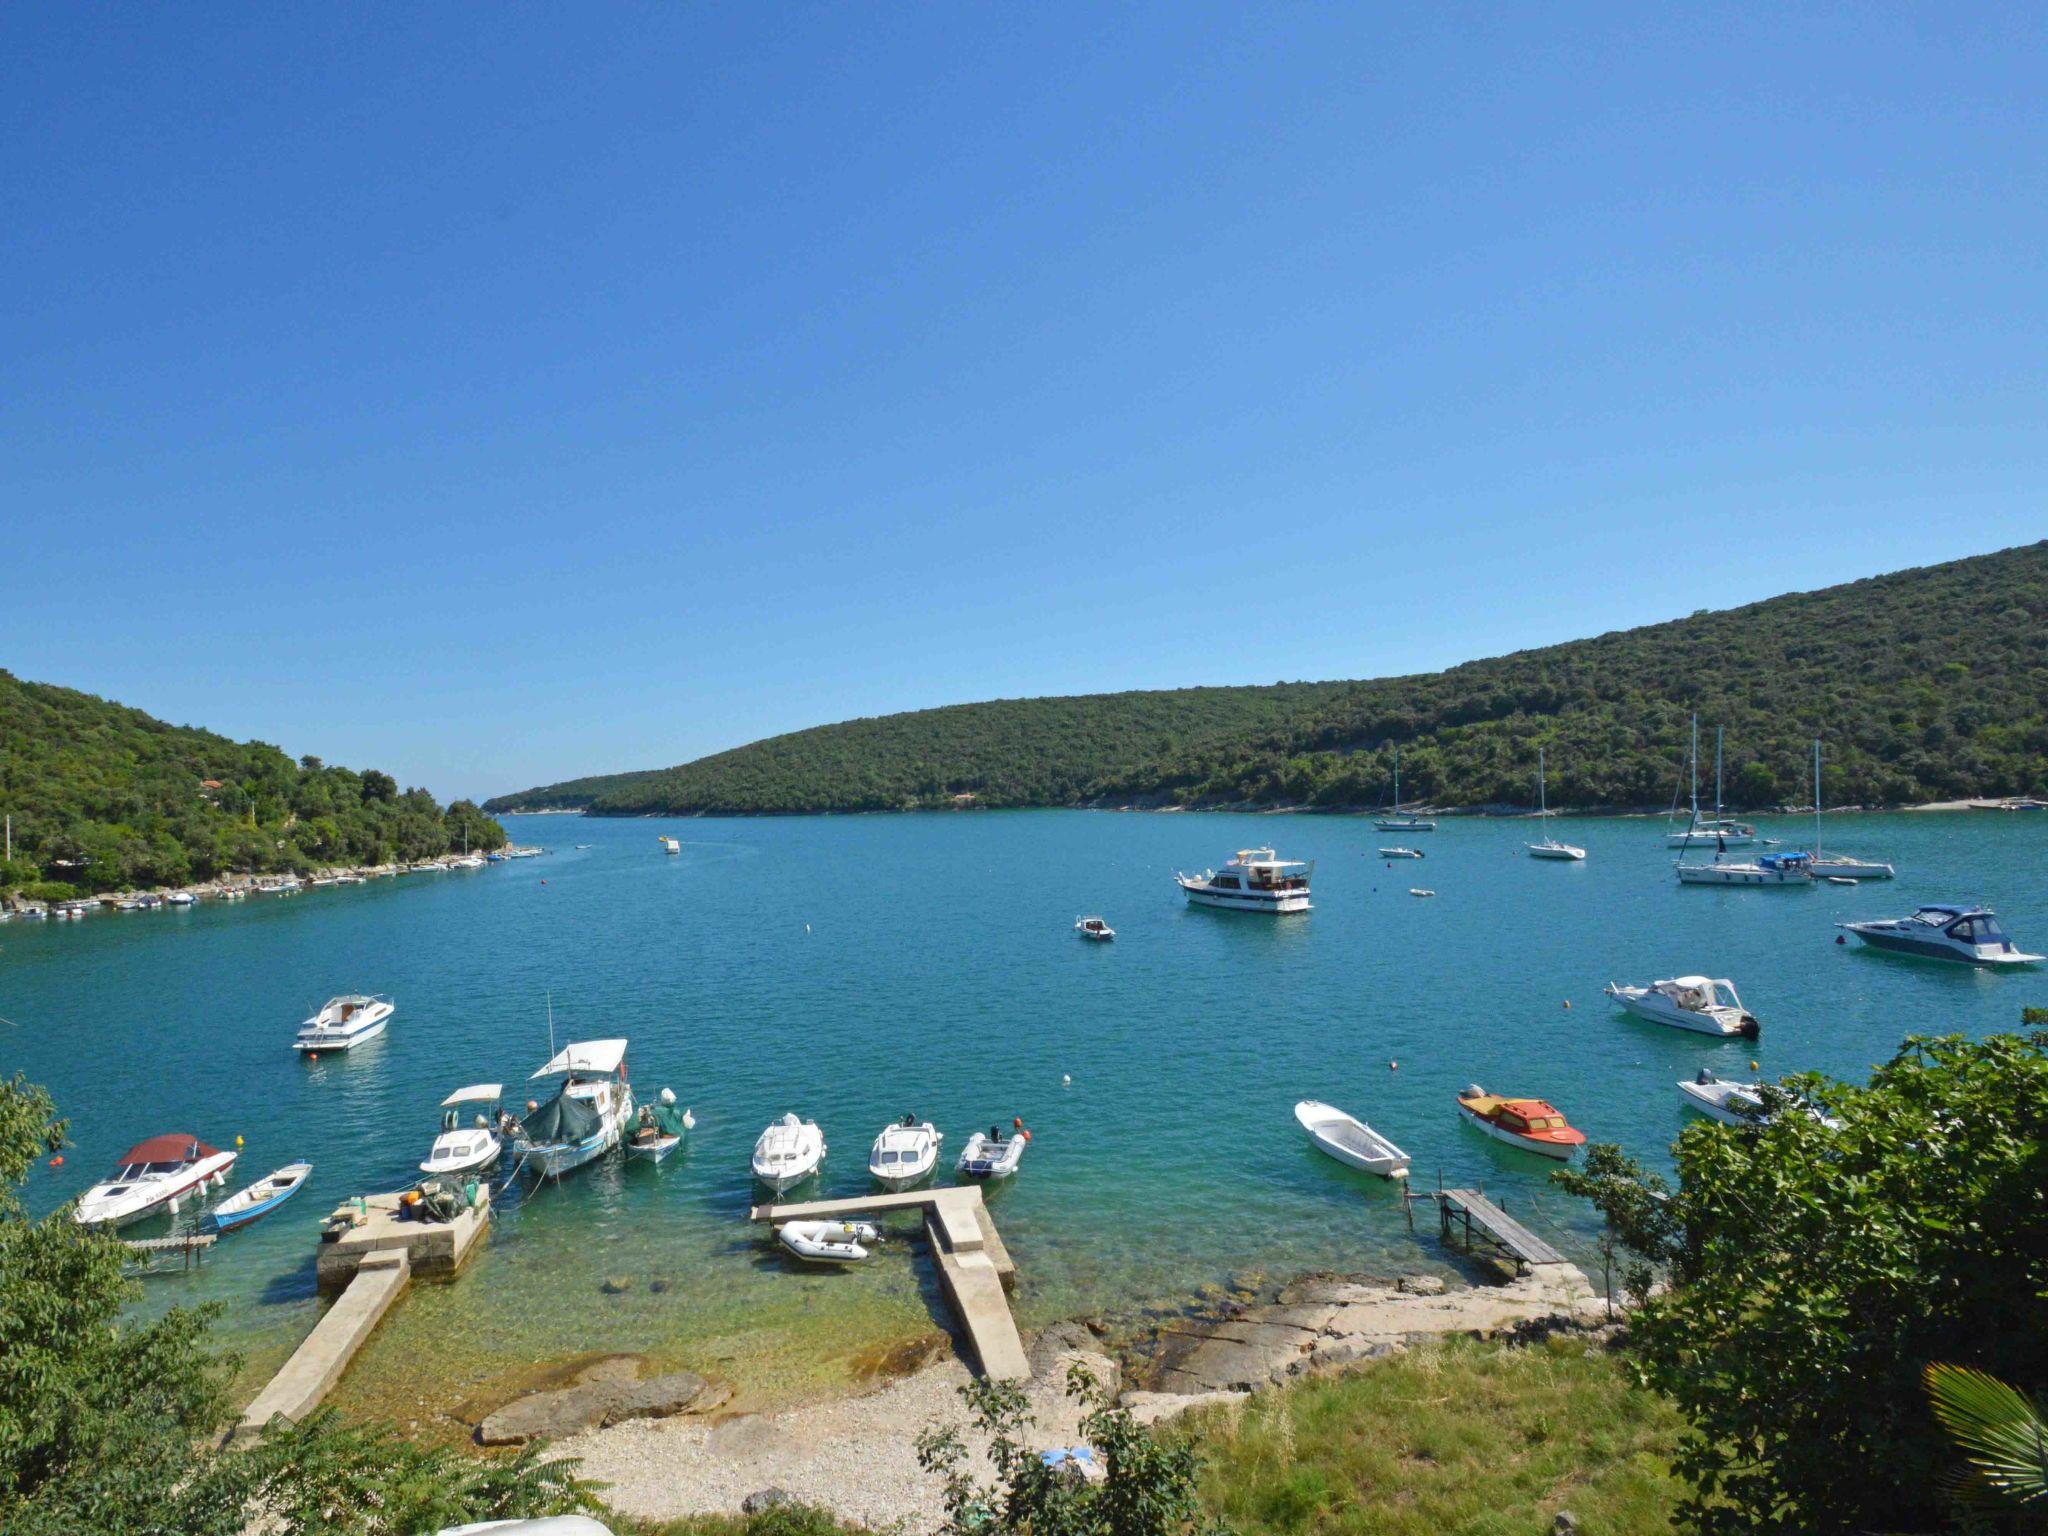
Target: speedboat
[345,1023]
[259,1199]
[1255,880]
[905,1153]
[788,1152]
[1350,1140]
[1970,935]
[1531,1124]
[1706,1006]
[1394,820]
[1094,928]
[992,1155]
[154,1175]
[1764,869]
[1737,1103]
[828,1242]
[1400,853]
[660,1128]
[588,1115]
[460,1148]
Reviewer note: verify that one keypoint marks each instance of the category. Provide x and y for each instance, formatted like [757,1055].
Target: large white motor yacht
[1255,880]
[1708,1006]
[344,1024]
[1970,935]
[588,1115]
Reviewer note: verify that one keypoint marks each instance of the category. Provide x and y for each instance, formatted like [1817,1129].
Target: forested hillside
[106,797]
[1926,684]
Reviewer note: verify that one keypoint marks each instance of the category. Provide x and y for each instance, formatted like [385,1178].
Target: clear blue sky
[493,395]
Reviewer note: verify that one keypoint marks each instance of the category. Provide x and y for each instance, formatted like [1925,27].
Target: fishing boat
[905,1153]
[154,1175]
[1400,853]
[1255,880]
[992,1155]
[1350,1140]
[1530,1124]
[473,1148]
[259,1199]
[1968,935]
[588,1115]
[1707,1006]
[1738,1103]
[659,1129]
[1394,820]
[1550,847]
[828,1242]
[1094,928]
[788,1152]
[1840,868]
[344,1023]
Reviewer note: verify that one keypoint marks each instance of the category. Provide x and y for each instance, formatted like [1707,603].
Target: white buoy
[689,1120]
[1066,1079]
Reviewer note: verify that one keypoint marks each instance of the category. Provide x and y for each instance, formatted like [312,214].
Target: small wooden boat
[1531,1124]
[828,1242]
[259,1199]
[1350,1140]
[660,1128]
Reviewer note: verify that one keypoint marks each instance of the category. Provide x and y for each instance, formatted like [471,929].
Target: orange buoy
[57,1161]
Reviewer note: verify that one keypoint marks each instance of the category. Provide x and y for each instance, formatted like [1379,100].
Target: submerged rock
[599,1398]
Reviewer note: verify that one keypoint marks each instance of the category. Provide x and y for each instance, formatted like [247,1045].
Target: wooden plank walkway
[1486,1220]
[188,1246]
[971,1260]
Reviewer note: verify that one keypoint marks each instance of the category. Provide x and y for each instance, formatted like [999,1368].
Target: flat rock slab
[597,1399]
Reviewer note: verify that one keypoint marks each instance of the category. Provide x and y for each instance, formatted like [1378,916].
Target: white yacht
[345,1023]
[905,1153]
[470,1148]
[1394,821]
[1550,847]
[788,1152]
[1736,1103]
[154,1175]
[1707,1006]
[1970,935]
[1841,866]
[588,1115]
[1255,880]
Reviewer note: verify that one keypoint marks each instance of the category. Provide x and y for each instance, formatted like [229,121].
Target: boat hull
[1246,901]
[655,1150]
[1684,1018]
[1561,851]
[1850,869]
[1740,875]
[1923,949]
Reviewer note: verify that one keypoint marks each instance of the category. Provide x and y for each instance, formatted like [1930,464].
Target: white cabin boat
[992,1155]
[1550,847]
[1736,1103]
[154,1175]
[671,845]
[828,1242]
[344,1023]
[588,1115]
[1394,820]
[905,1153]
[1707,1006]
[472,1148]
[1255,880]
[788,1152]
[181,898]
[1094,928]
[1350,1140]
[1968,935]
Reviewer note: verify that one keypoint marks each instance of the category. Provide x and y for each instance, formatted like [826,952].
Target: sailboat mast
[1542,794]
[1717,773]
[1397,778]
[1816,797]
[1695,768]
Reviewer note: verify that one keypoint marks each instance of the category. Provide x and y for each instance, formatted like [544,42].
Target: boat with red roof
[154,1175]
[1534,1125]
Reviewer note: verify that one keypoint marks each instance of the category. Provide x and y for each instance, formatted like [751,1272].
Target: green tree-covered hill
[105,797]
[1925,684]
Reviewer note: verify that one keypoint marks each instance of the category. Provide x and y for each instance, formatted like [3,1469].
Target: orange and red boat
[1534,1125]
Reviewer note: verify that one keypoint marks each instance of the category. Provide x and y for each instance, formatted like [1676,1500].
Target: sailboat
[1765,869]
[1550,847]
[1394,821]
[1842,866]
[1721,832]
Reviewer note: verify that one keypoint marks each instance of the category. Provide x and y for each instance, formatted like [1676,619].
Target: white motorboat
[181,898]
[670,845]
[1350,1140]
[1736,1103]
[154,1175]
[1969,935]
[992,1155]
[828,1242]
[1707,1006]
[1394,820]
[1840,868]
[1400,853]
[905,1153]
[472,1148]
[1255,880]
[1094,928]
[1550,847]
[788,1152]
[660,1128]
[344,1023]
[1417,890]
[588,1115]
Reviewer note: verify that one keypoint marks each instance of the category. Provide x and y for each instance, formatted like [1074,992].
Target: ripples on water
[854,968]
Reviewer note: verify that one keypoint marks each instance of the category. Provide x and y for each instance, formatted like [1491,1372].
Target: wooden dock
[1487,1222]
[972,1262]
[188,1247]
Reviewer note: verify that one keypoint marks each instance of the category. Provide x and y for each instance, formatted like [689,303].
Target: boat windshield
[1981,929]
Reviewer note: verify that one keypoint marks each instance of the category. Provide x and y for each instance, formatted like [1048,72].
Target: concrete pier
[972,1262]
[433,1248]
[317,1364]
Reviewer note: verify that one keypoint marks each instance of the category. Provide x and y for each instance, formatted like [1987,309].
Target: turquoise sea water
[854,968]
